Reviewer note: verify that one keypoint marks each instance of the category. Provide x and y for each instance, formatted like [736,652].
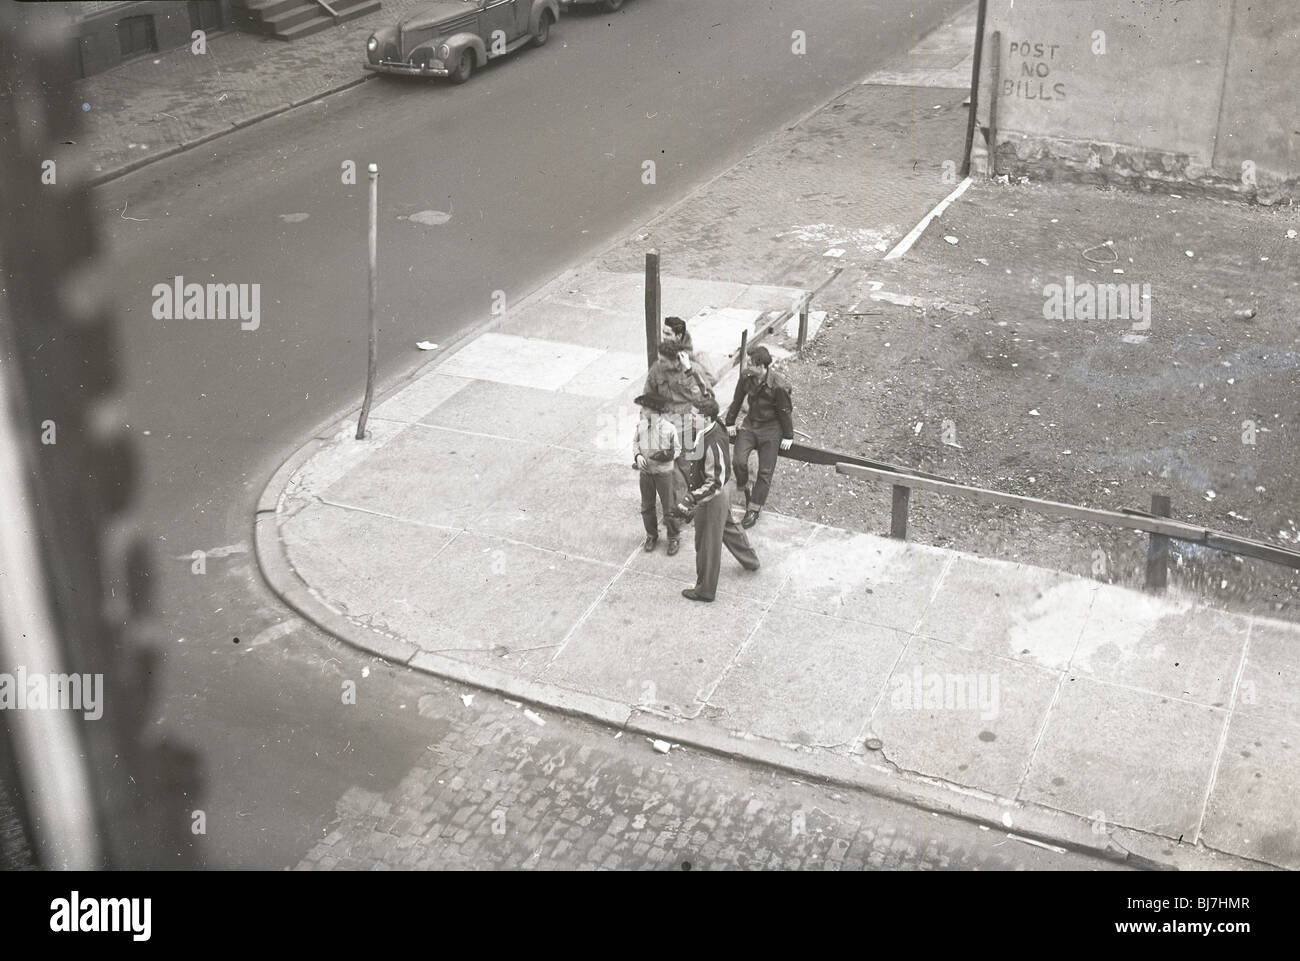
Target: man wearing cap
[768,427]
[656,449]
[710,502]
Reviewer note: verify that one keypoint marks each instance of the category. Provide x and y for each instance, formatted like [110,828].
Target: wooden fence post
[898,518]
[1158,549]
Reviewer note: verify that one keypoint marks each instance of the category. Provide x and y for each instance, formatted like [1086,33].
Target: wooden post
[744,350]
[974,86]
[898,519]
[803,320]
[374,286]
[1158,549]
[652,307]
[993,103]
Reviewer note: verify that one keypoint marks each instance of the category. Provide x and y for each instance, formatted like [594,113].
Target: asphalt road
[537,163]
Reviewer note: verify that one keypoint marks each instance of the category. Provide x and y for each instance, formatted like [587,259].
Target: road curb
[131,166]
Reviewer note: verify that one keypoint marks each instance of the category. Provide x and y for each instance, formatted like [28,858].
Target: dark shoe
[691,595]
[750,519]
[674,545]
[650,541]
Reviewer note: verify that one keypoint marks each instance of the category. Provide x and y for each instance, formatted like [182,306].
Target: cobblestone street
[495,790]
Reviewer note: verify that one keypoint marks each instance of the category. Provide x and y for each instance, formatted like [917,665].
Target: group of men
[683,453]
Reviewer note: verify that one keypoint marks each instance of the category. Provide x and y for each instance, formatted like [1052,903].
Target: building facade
[109,32]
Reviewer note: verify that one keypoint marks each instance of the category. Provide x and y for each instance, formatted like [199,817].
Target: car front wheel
[543,29]
[464,69]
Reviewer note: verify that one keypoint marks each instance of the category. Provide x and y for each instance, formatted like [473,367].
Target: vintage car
[610,5]
[449,38]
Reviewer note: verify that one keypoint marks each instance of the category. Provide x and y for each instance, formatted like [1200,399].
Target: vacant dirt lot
[1197,400]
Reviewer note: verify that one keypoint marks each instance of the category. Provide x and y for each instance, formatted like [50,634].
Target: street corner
[963,716]
[1029,614]
[863,577]
[359,561]
[807,679]
[330,460]
[1090,763]
[645,641]
[1251,809]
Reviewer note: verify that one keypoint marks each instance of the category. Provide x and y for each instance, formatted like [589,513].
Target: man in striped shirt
[709,499]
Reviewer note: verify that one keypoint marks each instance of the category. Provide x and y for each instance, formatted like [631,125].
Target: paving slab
[716,331]
[436,477]
[963,716]
[371,568]
[864,578]
[335,459]
[644,639]
[808,679]
[506,410]
[609,376]
[1179,650]
[776,539]
[410,404]
[1268,679]
[524,361]
[1085,762]
[491,602]
[569,501]
[1026,613]
[1252,810]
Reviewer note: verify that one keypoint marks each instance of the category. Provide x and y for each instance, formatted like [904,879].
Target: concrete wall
[1181,92]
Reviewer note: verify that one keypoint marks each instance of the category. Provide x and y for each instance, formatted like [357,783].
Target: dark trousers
[714,528]
[767,441]
[662,486]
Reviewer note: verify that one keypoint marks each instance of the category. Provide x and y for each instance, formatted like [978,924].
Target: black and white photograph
[572,436]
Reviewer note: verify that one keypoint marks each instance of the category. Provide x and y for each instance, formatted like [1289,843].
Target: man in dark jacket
[710,501]
[768,427]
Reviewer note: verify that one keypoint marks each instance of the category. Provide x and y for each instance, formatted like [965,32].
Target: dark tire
[465,69]
[543,29]
[612,6]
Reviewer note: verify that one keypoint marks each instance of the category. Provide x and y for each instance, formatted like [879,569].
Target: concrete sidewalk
[488,531]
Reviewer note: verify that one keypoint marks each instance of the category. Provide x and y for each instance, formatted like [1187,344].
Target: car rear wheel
[543,29]
[465,69]
[612,5]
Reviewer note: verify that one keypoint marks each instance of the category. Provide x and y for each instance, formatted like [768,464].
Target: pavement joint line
[1056,697]
[590,609]
[744,646]
[1223,734]
[512,440]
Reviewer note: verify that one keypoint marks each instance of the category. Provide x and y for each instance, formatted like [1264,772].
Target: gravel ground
[973,382]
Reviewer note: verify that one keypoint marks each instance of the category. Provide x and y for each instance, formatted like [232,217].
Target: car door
[523,12]
[498,25]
